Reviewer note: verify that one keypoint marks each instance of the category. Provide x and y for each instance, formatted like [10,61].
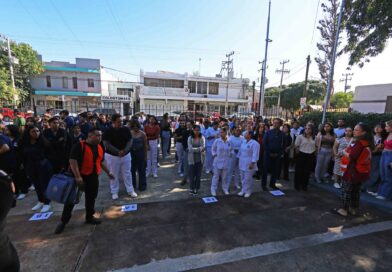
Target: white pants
[152,159]
[209,161]
[234,169]
[247,181]
[179,151]
[219,173]
[120,166]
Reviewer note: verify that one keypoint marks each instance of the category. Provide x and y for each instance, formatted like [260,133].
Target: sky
[172,35]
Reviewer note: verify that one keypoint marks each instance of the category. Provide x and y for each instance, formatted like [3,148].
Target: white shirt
[222,150]
[249,153]
[236,143]
[305,145]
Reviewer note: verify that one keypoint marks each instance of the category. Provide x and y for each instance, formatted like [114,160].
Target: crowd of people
[235,151]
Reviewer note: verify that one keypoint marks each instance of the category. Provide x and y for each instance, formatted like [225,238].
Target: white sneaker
[241,193]
[32,188]
[337,185]
[181,174]
[155,176]
[21,196]
[381,197]
[207,172]
[213,193]
[132,194]
[238,187]
[372,193]
[247,195]
[114,196]
[38,206]
[226,192]
[45,208]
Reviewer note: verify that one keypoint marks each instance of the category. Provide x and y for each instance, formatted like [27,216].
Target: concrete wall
[371,98]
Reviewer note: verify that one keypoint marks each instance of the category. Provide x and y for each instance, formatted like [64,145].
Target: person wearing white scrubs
[236,140]
[221,152]
[248,157]
[211,135]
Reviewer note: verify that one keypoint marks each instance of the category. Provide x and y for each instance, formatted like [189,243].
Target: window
[192,86]
[201,87]
[65,82]
[48,82]
[90,83]
[75,82]
[165,83]
[213,88]
[124,91]
[58,105]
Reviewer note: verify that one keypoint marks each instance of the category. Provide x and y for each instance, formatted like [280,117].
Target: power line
[34,19]
[119,71]
[314,25]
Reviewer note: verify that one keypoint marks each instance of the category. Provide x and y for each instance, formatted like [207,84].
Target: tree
[342,100]
[328,28]
[27,67]
[368,24]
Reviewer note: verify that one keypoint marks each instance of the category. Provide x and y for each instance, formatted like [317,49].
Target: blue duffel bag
[63,189]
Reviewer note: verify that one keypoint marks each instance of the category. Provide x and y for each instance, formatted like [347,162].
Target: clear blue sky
[173,35]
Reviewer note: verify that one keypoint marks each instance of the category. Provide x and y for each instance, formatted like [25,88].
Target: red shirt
[152,132]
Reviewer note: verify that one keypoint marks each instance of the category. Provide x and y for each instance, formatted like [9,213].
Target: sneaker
[381,197]
[93,221]
[155,176]
[45,208]
[207,172]
[132,194]
[238,187]
[21,196]
[32,188]
[195,192]
[158,164]
[38,206]
[114,196]
[247,195]
[59,229]
[213,193]
[226,192]
[337,185]
[241,193]
[181,174]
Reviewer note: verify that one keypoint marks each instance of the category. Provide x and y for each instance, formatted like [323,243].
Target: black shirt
[117,137]
[77,153]
[185,135]
[178,132]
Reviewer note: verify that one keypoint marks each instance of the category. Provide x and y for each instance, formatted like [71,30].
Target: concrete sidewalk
[172,225]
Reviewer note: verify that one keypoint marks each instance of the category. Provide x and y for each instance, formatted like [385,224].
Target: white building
[80,86]
[162,92]
[373,98]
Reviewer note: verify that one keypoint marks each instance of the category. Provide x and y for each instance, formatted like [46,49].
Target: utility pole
[199,66]
[263,81]
[346,75]
[282,71]
[229,68]
[331,71]
[306,76]
[10,61]
[260,96]
[253,96]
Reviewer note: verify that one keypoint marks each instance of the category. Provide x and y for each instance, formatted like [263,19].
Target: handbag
[63,189]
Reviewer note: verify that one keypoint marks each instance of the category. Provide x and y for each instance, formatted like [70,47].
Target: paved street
[172,231]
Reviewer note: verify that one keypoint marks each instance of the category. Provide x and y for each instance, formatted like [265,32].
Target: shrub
[351,118]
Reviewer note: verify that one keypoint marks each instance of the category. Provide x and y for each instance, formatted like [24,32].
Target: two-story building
[162,92]
[72,86]
[373,98]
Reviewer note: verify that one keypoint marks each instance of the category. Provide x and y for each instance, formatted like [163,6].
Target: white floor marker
[41,216]
[129,208]
[277,193]
[210,199]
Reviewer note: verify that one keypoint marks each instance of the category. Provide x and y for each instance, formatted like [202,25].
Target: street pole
[11,69]
[228,63]
[330,76]
[346,79]
[261,78]
[253,96]
[282,71]
[267,40]
[306,76]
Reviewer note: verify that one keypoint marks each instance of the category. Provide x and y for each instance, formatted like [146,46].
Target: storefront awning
[71,69]
[70,93]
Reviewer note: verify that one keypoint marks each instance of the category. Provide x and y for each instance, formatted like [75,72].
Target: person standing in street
[385,189]
[185,135]
[324,141]
[211,135]
[152,131]
[221,152]
[248,156]
[179,147]
[165,135]
[86,161]
[196,147]
[118,141]
[236,140]
[139,155]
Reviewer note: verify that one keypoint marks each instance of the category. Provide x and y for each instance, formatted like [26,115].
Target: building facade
[162,92]
[373,98]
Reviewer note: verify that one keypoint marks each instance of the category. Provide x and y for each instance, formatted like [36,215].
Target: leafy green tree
[342,100]
[368,24]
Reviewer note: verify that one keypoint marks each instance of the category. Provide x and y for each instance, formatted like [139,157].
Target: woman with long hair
[258,137]
[356,165]
[138,154]
[324,143]
[340,145]
[385,188]
[152,131]
[196,149]
[305,146]
[35,150]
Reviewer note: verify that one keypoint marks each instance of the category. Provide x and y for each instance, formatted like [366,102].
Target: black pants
[91,185]
[22,183]
[194,175]
[303,167]
[139,166]
[40,173]
[271,165]
[286,164]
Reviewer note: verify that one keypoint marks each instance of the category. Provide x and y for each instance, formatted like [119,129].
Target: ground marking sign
[129,208]
[210,199]
[41,216]
[277,193]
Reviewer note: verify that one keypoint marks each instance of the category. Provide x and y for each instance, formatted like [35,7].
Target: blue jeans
[165,143]
[139,166]
[385,188]
[371,183]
